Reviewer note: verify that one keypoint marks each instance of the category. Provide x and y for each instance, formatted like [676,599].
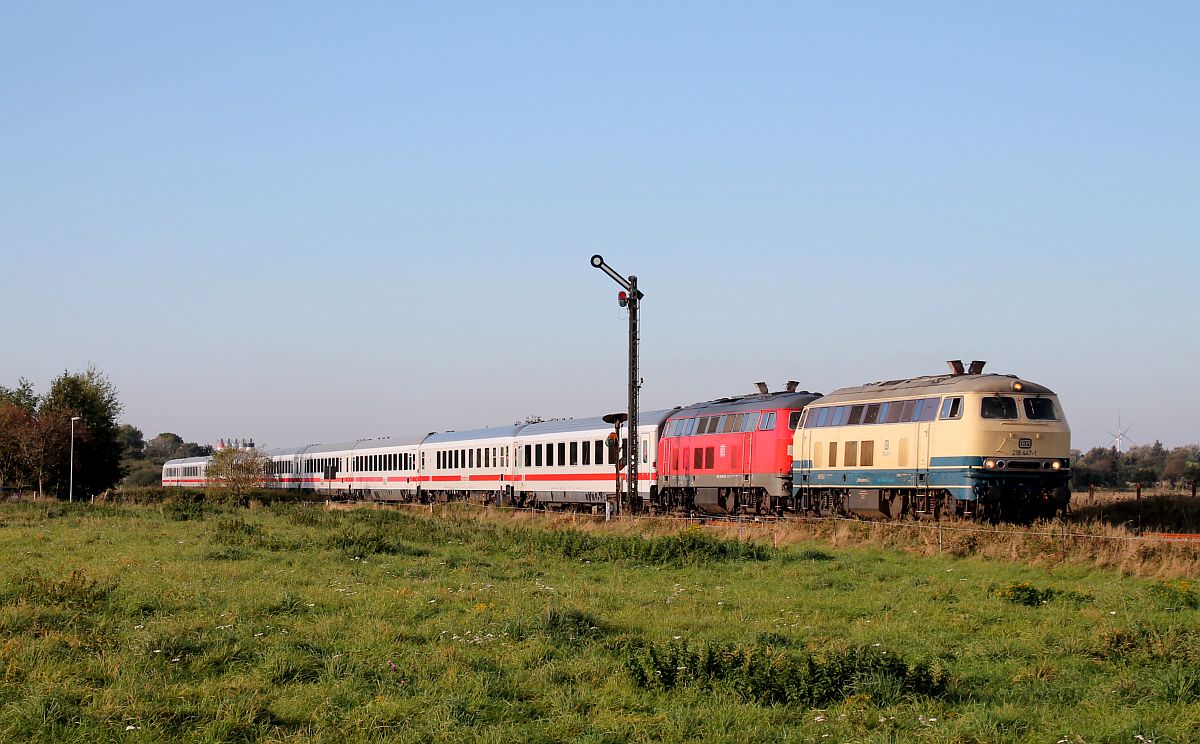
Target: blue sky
[310,222]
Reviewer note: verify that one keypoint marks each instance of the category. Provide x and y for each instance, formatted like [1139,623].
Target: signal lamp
[622,299]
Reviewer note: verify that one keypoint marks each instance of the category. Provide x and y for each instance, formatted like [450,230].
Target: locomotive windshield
[1040,409]
[999,407]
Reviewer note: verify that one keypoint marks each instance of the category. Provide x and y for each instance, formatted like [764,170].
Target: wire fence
[765,523]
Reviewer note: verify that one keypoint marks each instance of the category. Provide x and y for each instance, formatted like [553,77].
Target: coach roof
[495,432]
[591,423]
[187,461]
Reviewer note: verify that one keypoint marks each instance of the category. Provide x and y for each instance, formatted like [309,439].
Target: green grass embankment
[294,624]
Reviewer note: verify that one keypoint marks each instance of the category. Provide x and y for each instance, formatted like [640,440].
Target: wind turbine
[1119,438]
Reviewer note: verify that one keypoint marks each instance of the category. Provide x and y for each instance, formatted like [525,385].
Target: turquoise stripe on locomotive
[966,443]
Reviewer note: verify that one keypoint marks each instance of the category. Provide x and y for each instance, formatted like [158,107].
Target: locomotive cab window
[794,419]
[998,407]
[768,422]
[1040,409]
[952,408]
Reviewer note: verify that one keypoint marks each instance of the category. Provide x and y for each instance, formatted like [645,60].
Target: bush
[76,592]
[767,675]
[1024,593]
[691,547]
[1175,595]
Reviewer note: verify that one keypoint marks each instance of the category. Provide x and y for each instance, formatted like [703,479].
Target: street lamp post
[71,475]
[631,298]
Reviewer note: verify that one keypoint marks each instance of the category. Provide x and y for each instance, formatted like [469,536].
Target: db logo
[1025,443]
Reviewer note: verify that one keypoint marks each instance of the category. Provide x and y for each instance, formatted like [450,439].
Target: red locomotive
[732,455]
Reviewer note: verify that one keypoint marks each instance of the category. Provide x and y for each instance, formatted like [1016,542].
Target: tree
[1191,473]
[133,442]
[92,397]
[163,446]
[238,471]
[166,446]
[18,407]
[35,434]
[1177,462]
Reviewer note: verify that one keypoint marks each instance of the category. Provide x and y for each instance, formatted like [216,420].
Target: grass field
[296,624]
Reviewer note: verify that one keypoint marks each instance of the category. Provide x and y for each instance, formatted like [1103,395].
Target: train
[964,444]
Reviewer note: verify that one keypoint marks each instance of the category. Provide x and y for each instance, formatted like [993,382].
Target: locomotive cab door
[923,502]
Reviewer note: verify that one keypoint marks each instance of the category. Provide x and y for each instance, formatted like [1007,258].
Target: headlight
[989,464]
[1017,387]
[1056,465]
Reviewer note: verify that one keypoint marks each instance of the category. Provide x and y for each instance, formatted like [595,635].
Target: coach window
[598,448]
[537,455]
[998,407]
[952,408]
[1040,409]
[866,453]
[587,453]
[871,415]
[562,453]
[645,451]
[574,453]
[851,454]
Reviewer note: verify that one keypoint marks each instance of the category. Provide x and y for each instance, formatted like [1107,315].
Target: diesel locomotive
[966,443]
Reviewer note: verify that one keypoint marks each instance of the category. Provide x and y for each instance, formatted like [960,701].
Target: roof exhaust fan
[762,387]
[792,385]
[976,368]
[956,367]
